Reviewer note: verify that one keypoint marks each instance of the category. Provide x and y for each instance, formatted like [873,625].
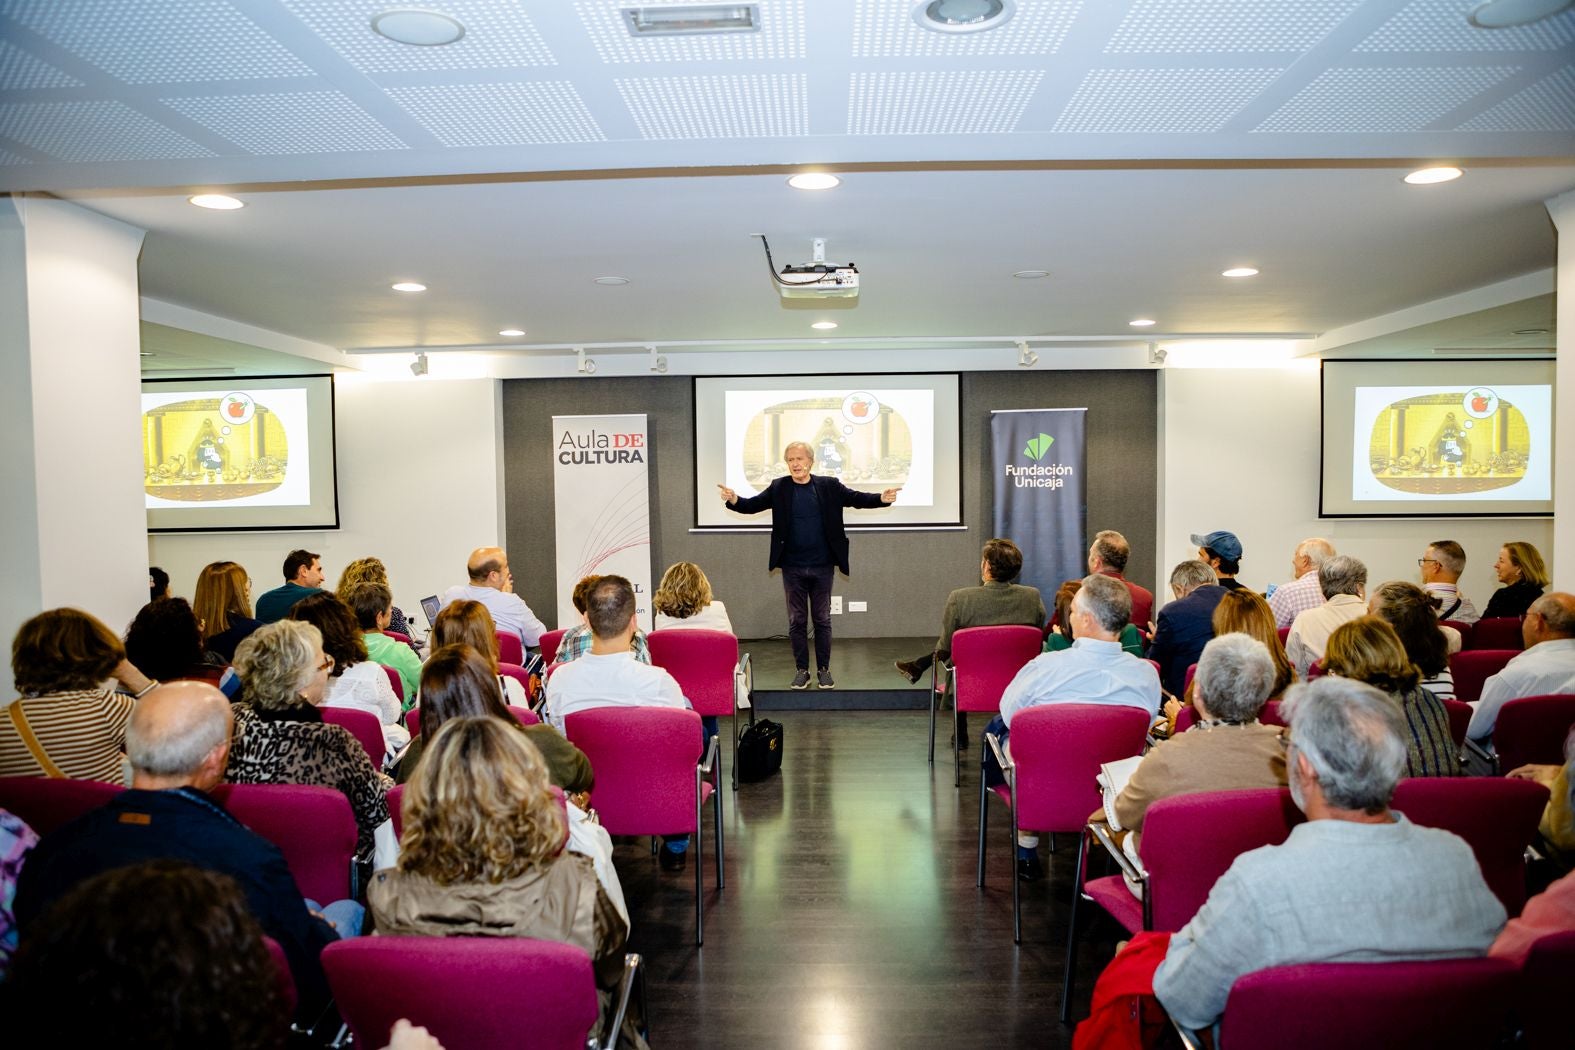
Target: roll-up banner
[601,484]
[1041,500]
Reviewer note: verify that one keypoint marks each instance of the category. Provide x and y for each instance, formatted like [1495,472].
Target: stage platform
[862,668]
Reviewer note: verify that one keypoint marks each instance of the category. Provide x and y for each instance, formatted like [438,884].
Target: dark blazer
[182,824]
[1184,627]
[1511,600]
[834,495]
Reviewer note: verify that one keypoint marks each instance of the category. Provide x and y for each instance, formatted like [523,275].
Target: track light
[586,365]
[1026,358]
[658,362]
[1157,354]
[418,367]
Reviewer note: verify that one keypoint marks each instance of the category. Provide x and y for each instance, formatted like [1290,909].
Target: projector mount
[814,280]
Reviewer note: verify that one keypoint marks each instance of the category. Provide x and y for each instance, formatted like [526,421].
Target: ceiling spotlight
[1142,322]
[1429,176]
[962,16]
[418,367]
[814,180]
[1026,358]
[610,281]
[1157,354]
[1240,271]
[824,326]
[512,333]
[408,286]
[215,202]
[585,365]
[1030,275]
[658,362]
[420,28]
[1502,14]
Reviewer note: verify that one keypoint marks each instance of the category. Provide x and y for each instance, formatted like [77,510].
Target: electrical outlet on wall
[836,605]
[854,607]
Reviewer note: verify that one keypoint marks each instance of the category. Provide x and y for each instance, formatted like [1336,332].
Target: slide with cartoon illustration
[873,432]
[1414,438]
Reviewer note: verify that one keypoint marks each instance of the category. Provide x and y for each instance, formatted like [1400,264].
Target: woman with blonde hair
[683,599]
[1245,612]
[1524,575]
[223,604]
[1368,650]
[469,623]
[371,570]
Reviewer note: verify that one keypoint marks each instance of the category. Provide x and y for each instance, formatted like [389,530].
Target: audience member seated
[165,642]
[1246,612]
[458,683]
[16,842]
[1108,557]
[1368,650]
[372,570]
[683,599]
[1553,910]
[158,583]
[373,605]
[1356,882]
[1441,565]
[155,955]
[355,682]
[482,853]
[1060,636]
[1093,671]
[995,602]
[303,576]
[1520,569]
[492,585]
[179,742]
[1547,665]
[1408,609]
[223,606]
[1186,624]
[1342,580]
[1289,600]
[281,738]
[469,623]
[67,723]
[1221,551]
[1227,748]
[576,641]
[1557,826]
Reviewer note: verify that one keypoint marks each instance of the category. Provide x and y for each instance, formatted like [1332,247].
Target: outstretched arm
[746,505]
[868,500]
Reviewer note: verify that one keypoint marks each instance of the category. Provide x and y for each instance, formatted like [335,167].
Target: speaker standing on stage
[808,542]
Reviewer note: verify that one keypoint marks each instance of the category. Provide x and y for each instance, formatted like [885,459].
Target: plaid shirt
[1296,597]
[576,642]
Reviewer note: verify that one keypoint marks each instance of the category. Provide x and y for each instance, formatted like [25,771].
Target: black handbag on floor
[759,750]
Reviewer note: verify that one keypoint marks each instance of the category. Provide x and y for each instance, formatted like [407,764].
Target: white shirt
[509,611]
[365,687]
[1450,593]
[1310,632]
[610,680]
[1090,672]
[712,618]
[1547,667]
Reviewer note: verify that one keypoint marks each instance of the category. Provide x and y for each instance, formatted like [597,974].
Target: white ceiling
[1134,148]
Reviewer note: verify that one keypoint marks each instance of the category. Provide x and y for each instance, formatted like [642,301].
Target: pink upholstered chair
[549,644]
[364,726]
[1543,1011]
[48,803]
[471,993]
[1533,729]
[523,715]
[510,649]
[520,675]
[1464,629]
[1501,632]
[1316,670]
[312,826]
[1285,634]
[285,982]
[1192,672]
[1269,716]
[651,779]
[1496,816]
[397,682]
[1459,719]
[984,662]
[706,666]
[1472,667]
[396,636]
[413,721]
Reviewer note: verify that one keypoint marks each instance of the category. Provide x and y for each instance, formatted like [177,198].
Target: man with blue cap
[1222,553]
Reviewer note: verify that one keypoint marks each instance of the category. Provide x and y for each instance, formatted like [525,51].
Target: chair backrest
[1533,729]
[1189,841]
[703,662]
[549,643]
[1315,670]
[510,649]
[1192,672]
[1441,1003]
[47,803]
[1269,716]
[1462,628]
[1284,633]
[986,659]
[523,715]
[396,796]
[312,826]
[1544,982]
[1459,720]
[397,682]
[398,637]
[471,993]
[645,759]
[1496,816]
[364,726]
[519,674]
[413,720]
[1058,748]
[1472,667]
[283,978]
[1501,632]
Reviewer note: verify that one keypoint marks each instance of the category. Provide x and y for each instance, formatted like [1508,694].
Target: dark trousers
[811,585]
[925,662]
[993,773]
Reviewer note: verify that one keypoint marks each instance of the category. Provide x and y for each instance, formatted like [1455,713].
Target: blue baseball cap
[1225,544]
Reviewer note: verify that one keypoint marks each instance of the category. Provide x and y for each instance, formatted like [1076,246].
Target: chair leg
[1052,842]
[716,815]
[956,748]
[735,745]
[1017,884]
[984,815]
[699,867]
[1071,931]
[932,716]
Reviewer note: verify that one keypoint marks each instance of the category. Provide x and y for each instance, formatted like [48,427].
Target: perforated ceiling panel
[501,114]
[294,122]
[1367,100]
[160,41]
[730,107]
[781,35]
[1187,27]
[7,157]
[1160,101]
[973,102]
[886,29]
[498,35]
[20,71]
[1547,105]
[1440,25]
[89,132]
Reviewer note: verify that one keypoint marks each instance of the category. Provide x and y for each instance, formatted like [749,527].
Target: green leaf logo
[1037,447]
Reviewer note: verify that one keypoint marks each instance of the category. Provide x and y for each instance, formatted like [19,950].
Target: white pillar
[1562,209]
[72,513]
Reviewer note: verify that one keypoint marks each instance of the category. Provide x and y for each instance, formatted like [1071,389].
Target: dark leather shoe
[909,670]
[1029,869]
[674,861]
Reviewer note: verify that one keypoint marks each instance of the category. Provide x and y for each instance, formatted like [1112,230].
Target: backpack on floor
[759,749]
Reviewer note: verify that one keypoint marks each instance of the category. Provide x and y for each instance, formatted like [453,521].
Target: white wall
[1241,453]
[1562,208]
[419,486]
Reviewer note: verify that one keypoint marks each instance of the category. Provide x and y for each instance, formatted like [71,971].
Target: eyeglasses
[1428,561]
[328,661]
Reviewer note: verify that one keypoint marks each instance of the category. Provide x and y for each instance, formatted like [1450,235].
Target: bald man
[492,585]
[1547,666]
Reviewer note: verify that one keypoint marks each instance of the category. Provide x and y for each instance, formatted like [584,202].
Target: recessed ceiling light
[814,180]
[409,286]
[421,28]
[1531,331]
[1142,322]
[1428,176]
[686,21]
[1501,14]
[1240,271]
[824,326]
[962,16]
[612,280]
[216,201]
[1029,275]
[512,332]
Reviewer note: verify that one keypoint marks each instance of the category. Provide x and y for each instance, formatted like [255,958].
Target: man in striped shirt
[1303,592]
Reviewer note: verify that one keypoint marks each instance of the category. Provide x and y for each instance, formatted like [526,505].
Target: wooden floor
[851,917]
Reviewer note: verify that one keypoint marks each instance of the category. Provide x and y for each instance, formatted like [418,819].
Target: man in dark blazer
[1185,625]
[996,601]
[808,543]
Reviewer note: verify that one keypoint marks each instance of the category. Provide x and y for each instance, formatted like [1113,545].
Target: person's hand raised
[729,496]
[890,495]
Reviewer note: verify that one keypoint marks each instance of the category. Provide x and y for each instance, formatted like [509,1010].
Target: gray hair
[1112,549]
[791,445]
[1342,574]
[176,744]
[1107,600]
[1235,676]
[1451,556]
[1192,574]
[275,662]
[1557,611]
[1353,736]
[1316,550]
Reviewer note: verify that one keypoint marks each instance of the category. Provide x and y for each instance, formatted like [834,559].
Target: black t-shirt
[806,538]
[1230,583]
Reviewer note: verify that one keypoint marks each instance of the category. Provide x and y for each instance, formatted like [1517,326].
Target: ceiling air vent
[688,21]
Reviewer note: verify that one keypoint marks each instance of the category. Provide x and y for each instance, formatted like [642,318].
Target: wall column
[1562,209]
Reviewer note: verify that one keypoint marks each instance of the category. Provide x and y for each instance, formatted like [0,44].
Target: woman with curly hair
[355,681]
[371,570]
[223,604]
[1368,650]
[684,600]
[165,642]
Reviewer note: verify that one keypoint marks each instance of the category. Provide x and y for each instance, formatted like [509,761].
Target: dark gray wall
[905,576]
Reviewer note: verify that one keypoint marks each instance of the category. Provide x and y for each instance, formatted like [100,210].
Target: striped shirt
[1296,597]
[1430,751]
[83,732]
[1442,685]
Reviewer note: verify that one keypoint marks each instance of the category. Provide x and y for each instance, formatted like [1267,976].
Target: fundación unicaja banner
[1041,499]
[601,485]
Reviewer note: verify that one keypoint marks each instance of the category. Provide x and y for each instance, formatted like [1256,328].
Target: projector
[819,281]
